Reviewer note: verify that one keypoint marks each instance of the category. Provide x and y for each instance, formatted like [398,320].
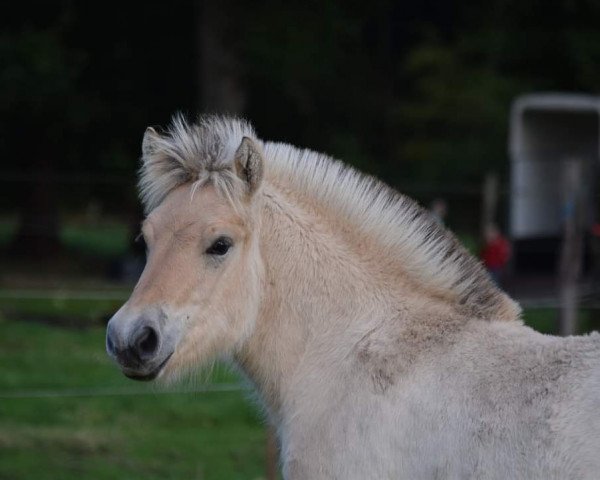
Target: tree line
[408,91]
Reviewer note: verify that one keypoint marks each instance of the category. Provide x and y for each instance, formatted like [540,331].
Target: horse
[378,346]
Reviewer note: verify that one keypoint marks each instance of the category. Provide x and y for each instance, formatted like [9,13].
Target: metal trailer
[547,132]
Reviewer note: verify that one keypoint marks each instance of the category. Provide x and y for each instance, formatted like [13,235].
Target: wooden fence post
[572,246]
[490,201]
[271,457]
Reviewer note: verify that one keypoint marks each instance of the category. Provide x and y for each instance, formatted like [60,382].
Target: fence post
[572,246]
[490,201]
[271,457]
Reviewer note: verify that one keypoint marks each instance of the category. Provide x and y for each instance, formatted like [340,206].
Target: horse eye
[220,246]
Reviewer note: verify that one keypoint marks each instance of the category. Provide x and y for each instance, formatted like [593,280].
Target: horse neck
[318,288]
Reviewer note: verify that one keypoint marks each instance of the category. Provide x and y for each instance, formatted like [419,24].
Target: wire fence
[118,391]
[265,439]
[463,201]
[467,195]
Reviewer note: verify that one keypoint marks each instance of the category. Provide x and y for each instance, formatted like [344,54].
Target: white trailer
[547,131]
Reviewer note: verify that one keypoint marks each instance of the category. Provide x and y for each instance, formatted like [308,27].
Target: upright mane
[203,152]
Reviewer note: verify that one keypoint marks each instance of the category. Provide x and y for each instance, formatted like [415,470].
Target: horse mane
[203,152]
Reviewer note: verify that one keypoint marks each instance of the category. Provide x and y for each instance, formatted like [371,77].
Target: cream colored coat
[378,346]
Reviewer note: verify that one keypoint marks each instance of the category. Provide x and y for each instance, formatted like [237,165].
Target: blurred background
[485,113]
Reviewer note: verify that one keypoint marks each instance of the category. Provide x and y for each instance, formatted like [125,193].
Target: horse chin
[148,376]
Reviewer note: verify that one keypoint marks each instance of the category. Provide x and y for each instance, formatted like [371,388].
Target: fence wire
[119,391]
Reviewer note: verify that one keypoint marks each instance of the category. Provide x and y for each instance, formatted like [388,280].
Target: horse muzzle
[138,345]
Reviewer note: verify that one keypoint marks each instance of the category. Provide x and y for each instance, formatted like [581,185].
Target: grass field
[90,430]
[56,344]
[107,239]
[210,435]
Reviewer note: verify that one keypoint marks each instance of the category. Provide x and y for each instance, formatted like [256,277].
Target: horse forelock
[203,153]
[197,153]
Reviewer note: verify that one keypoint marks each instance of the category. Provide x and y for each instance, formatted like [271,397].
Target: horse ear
[149,142]
[249,165]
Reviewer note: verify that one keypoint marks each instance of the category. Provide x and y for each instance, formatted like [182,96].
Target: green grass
[8,228]
[470,242]
[212,435]
[61,308]
[545,320]
[107,239]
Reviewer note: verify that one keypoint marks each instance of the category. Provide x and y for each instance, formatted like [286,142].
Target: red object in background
[495,254]
[596,230]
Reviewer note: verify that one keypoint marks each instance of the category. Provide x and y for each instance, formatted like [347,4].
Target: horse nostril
[110,346]
[147,343]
